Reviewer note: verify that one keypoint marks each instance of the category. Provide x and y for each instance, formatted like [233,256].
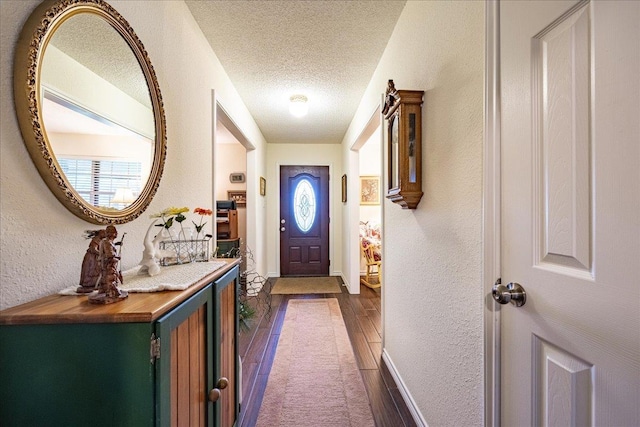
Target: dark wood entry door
[304,220]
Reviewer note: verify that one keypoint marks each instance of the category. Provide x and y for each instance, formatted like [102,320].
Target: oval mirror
[90,110]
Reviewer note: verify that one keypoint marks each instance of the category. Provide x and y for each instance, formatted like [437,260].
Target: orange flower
[202,211]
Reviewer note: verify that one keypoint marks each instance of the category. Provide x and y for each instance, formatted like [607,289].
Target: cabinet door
[227,407]
[96,374]
[184,370]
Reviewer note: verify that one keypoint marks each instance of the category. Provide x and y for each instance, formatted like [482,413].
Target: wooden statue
[110,275]
[90,272]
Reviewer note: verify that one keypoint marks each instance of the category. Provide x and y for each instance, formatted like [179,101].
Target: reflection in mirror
[90,109]
[97,112]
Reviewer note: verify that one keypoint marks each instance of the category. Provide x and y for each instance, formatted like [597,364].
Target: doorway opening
[366,208]
[230,193]
[370,211]
[234,232]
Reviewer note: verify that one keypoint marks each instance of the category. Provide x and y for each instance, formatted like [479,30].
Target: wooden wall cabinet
[402,111]
[162,365]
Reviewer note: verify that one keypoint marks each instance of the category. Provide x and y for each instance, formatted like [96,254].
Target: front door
[570,98]
[304,220]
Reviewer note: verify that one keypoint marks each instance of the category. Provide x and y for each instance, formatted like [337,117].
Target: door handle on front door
[282,228]
[513,293]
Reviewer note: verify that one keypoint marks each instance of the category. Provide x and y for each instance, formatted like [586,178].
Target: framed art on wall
[369,190]
[236,177]
[263,186]
[344,188]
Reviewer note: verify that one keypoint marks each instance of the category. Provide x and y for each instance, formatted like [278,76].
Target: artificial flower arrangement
[187,248]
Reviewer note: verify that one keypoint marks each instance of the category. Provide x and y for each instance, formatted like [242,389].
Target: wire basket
[185,251]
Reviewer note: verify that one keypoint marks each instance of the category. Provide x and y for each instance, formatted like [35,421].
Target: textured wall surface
[432,255]
[42,243]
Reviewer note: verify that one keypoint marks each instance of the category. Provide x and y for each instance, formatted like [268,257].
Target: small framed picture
[236,177]
[263,186]
[344,188]
[369,190]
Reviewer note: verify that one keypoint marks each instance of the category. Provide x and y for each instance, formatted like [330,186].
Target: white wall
[432,293]
[298,154]
[350,219]
[42,243]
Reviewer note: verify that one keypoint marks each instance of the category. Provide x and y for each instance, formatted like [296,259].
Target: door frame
[219,113]
[276,191]
[491,198]
[315,172]
[351,245]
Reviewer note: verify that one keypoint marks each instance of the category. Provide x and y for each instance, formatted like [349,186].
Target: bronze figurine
[110,274]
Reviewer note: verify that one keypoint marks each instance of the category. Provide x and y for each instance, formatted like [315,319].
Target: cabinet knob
[222,383]
[214,395]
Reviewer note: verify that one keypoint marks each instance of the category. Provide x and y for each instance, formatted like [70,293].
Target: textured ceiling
[326,50]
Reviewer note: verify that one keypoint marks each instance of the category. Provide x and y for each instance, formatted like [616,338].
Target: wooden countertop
[138,307]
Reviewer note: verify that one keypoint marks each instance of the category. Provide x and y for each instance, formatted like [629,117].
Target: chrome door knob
[512,293]
[281,228]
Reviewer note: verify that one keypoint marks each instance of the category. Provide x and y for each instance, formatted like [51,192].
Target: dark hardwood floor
[362,318]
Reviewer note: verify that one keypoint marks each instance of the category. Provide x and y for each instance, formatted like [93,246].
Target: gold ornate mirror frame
[35,36]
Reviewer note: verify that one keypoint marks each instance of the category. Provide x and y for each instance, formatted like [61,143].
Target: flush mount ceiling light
[298,105]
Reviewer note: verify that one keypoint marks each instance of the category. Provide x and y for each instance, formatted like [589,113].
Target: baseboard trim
[345,282]
[408,400]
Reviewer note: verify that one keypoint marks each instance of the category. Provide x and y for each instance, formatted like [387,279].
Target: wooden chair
[373,261]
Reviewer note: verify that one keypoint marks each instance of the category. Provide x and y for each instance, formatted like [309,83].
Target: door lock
[512,292]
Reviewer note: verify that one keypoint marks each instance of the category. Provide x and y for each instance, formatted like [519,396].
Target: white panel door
[570,97]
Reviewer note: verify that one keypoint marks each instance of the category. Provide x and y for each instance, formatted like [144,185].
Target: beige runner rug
[306,285]
[314,380]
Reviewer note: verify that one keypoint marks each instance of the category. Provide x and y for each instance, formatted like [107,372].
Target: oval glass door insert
[304,205]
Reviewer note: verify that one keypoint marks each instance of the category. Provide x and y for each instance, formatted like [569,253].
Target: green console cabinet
[154,359]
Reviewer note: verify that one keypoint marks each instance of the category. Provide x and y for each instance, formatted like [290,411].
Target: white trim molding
[406,396]
[491,213]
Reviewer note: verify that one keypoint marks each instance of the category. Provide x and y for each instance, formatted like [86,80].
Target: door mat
[306,285]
